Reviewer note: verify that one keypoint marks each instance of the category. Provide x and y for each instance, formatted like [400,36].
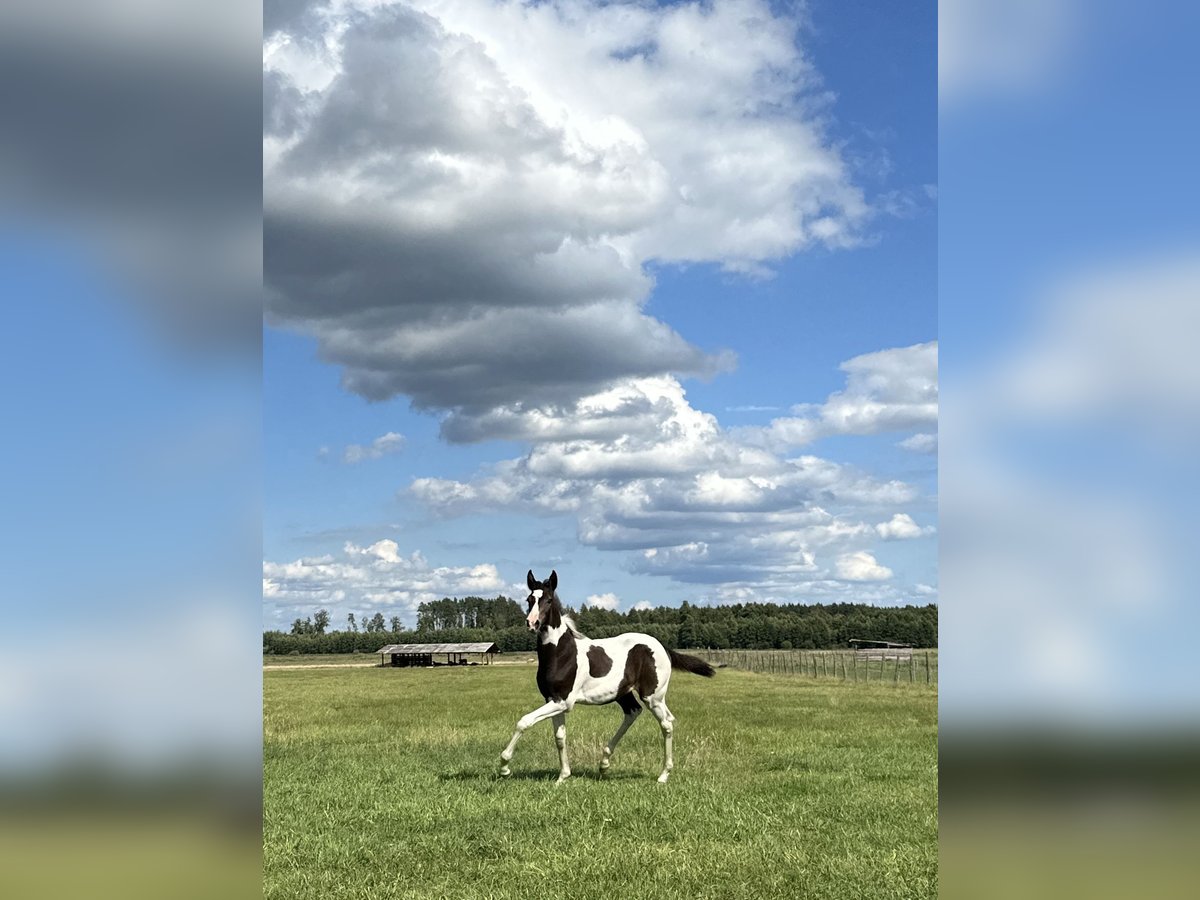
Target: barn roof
[479,647]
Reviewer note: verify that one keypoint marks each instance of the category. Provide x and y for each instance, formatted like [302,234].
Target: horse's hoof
[505,771]
[662,779]
[562,778]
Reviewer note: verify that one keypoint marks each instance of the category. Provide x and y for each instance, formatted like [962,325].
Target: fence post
[928,673]
[912,662]
[896,671]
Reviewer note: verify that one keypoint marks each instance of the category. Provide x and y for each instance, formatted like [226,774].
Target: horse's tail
[693,664]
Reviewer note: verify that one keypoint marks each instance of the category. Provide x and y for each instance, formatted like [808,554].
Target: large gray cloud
[133,133]
[461,198]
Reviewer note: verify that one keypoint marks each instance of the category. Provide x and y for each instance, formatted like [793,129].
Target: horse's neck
[566,625]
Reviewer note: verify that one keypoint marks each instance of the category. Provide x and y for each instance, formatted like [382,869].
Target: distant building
[881,649]
[408,655]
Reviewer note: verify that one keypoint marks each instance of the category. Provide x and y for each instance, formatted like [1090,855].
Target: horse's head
[541,601]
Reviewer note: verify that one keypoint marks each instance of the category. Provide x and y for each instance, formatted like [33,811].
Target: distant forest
[754,626]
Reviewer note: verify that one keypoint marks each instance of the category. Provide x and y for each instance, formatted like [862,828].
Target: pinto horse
[574,669]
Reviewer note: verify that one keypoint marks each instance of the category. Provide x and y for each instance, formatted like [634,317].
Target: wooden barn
[407,655]
[881,649]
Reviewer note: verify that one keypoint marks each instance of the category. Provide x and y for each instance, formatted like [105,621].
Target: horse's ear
[531,581]
[552,581]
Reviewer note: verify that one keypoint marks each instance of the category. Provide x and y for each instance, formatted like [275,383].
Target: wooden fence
[893,666]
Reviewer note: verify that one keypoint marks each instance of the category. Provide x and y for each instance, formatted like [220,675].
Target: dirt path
[373,665]
[326,666]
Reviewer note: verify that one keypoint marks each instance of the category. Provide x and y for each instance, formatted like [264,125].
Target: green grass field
[381,783]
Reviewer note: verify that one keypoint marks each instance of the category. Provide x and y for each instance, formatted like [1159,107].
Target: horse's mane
[571,626]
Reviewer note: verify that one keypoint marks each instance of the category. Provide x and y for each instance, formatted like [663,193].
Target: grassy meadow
[381,783]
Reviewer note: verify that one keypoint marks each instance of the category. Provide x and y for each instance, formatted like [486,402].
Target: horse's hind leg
[560,741]
[666,721]
[632,710]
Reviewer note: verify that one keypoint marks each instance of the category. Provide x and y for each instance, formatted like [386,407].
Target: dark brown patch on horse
[554,613]
[599,662]
[628,703]
[641,675]
[557,665]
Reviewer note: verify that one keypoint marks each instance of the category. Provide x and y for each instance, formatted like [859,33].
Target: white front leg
[560,741]
[553,708]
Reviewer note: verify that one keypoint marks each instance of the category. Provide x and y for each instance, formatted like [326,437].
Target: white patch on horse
[552,635]
[535,612]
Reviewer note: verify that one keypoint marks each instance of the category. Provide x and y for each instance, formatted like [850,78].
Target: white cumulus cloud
[384,445]
[901,527]
[697,502]
[861,566]
[920,443]
[375,576]
[888,390]
[603,601]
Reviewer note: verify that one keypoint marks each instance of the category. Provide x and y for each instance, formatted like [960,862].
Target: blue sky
[125,424]
[850,94]
[1068,279]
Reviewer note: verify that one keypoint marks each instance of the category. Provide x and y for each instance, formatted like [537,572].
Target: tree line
[319,623]
[750,626]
